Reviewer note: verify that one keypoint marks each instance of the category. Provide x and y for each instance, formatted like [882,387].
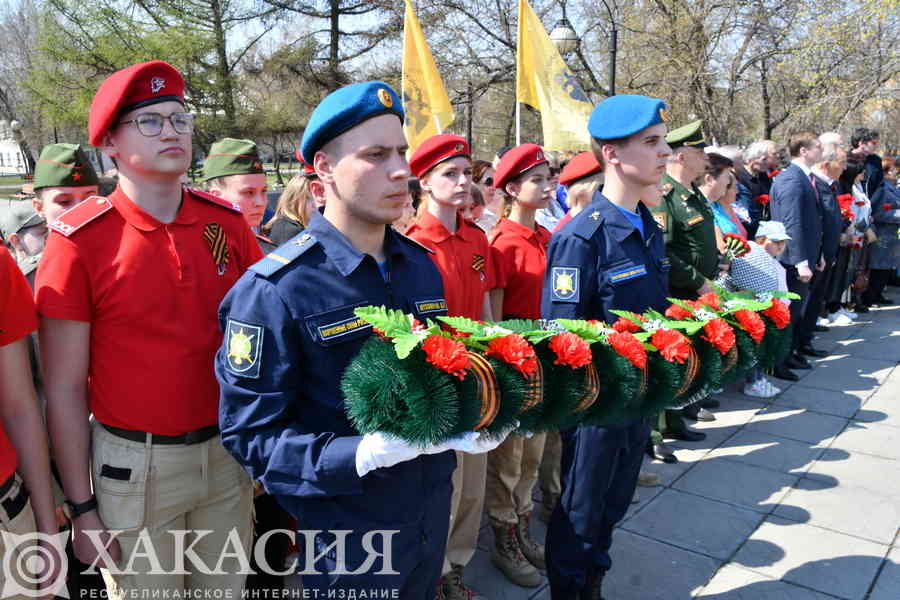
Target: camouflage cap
[63,165]
[16,215]
[230,156]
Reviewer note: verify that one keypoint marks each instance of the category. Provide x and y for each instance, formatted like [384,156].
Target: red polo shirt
[151,293]
[18,318]
[520,256]
[463,259]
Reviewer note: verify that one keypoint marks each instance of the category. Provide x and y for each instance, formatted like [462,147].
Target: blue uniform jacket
[794,203]
[599,262]
[832,222]
[282,413]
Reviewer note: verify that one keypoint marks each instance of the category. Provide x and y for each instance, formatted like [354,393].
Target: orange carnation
[628,346]
[752,324]
[673,345]
[570,350]
[514,350]
[779,313]
[719,334]
[447,355]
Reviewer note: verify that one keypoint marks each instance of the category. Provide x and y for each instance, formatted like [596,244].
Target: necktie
[812,182]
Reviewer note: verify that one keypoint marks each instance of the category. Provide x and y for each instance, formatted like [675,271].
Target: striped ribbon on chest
[218,244]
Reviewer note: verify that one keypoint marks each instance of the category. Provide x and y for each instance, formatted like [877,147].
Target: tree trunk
[767,102]
[334,46]
[223,69]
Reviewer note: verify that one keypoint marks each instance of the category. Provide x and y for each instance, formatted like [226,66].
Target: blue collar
[342,253]
[618,223]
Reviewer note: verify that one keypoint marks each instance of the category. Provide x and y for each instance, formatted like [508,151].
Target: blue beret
[344,109]
[624,115]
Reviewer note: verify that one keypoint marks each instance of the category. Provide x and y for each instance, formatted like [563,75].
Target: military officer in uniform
[290,331]
[688,223]
[63,177]
[234,171]
[610,256]
[24,232]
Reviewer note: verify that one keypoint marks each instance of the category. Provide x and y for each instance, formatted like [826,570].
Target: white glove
[379,450]
[478,442]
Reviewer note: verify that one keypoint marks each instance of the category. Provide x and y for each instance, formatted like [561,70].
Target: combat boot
[455,589]
[533,551]
[591,590]
[548,505]
[507,556]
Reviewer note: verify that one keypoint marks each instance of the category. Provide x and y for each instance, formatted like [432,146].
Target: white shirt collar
[799,163]
[824,177]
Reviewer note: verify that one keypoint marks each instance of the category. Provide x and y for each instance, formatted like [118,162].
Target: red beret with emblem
[516,161]
[582,165]
[436,150]
[133,87]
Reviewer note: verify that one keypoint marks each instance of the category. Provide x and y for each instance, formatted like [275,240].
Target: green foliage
[620,388]
[665,379]
[748,357]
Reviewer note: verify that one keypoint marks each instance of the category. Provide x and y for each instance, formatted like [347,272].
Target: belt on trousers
[192,437]
[13,506]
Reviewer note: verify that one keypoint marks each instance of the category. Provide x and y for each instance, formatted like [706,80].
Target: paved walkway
[792,499]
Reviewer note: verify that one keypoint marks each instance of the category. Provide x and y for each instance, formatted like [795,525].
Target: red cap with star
[133,87]
[581,166]
[516,161]
[436,150]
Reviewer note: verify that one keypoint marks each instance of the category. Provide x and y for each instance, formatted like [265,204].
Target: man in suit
[795,201]
[827,171]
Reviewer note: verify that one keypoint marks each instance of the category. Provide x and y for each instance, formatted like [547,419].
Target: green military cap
[16,215]
[687,135]
[229,156]
[63,165]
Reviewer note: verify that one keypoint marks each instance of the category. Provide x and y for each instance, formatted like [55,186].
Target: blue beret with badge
[624,115]
[344,109]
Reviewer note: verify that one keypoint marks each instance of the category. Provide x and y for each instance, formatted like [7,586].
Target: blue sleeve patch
[565,284]
[244,342]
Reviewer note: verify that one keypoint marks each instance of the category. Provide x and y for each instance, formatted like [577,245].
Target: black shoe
[821,329]
[785,373]
[685,435]
[808,350]
[696,413]
[710,402]
[795,361]
[861,309]
[591,590]
[661,452]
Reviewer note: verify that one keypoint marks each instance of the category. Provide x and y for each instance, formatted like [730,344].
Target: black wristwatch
[76,510]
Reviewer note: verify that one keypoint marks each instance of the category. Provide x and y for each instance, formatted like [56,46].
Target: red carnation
[762,198]
[752,324]
[711,300]
[514,350]
[570,350]
[673,345]
[628,325]
[628,346]
[678,313]
[779,313]
[719,334]
[887,206]
[774,173]
[447,355]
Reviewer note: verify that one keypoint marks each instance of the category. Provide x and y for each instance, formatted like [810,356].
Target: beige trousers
[13,555]
[169,499]
[466,505]
[551,466]
[512,470]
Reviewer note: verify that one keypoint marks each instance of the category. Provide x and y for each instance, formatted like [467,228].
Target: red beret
[582,165]
[436,150]
[133,87]
[516,161]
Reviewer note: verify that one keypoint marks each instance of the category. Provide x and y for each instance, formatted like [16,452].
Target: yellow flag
[544,82]
[425,101]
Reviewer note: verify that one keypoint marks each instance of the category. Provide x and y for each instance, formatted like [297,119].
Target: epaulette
[414,243]
[284,254]
[215,200]
[586,223]
[80,215]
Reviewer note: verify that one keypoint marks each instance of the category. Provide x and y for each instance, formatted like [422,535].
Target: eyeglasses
[151,124]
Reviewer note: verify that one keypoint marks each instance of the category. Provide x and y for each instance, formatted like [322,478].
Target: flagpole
[437,125]
[518,132]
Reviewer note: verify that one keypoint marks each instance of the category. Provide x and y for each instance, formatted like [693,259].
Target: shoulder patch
[284,254]
[408,239]
[80,215]
[244,342]
[566,284]
[215,200]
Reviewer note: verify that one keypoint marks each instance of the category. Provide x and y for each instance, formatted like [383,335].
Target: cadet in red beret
[462,255]
[519,247]
[582,177]
[128,292]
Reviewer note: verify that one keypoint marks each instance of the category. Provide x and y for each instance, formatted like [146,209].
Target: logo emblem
[384,97]
[459,147]
[539,155]
[27,563]
[244,343]
[663,115]
[565,284]
[156,84]
[595,215]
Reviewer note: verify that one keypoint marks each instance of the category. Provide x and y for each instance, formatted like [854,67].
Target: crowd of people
[178,353]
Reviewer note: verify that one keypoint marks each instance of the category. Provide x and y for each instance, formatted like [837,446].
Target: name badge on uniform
[342,327]
[565,283]
[244,343]
[694,220]
[665,263]
[629,272]
[423,307]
